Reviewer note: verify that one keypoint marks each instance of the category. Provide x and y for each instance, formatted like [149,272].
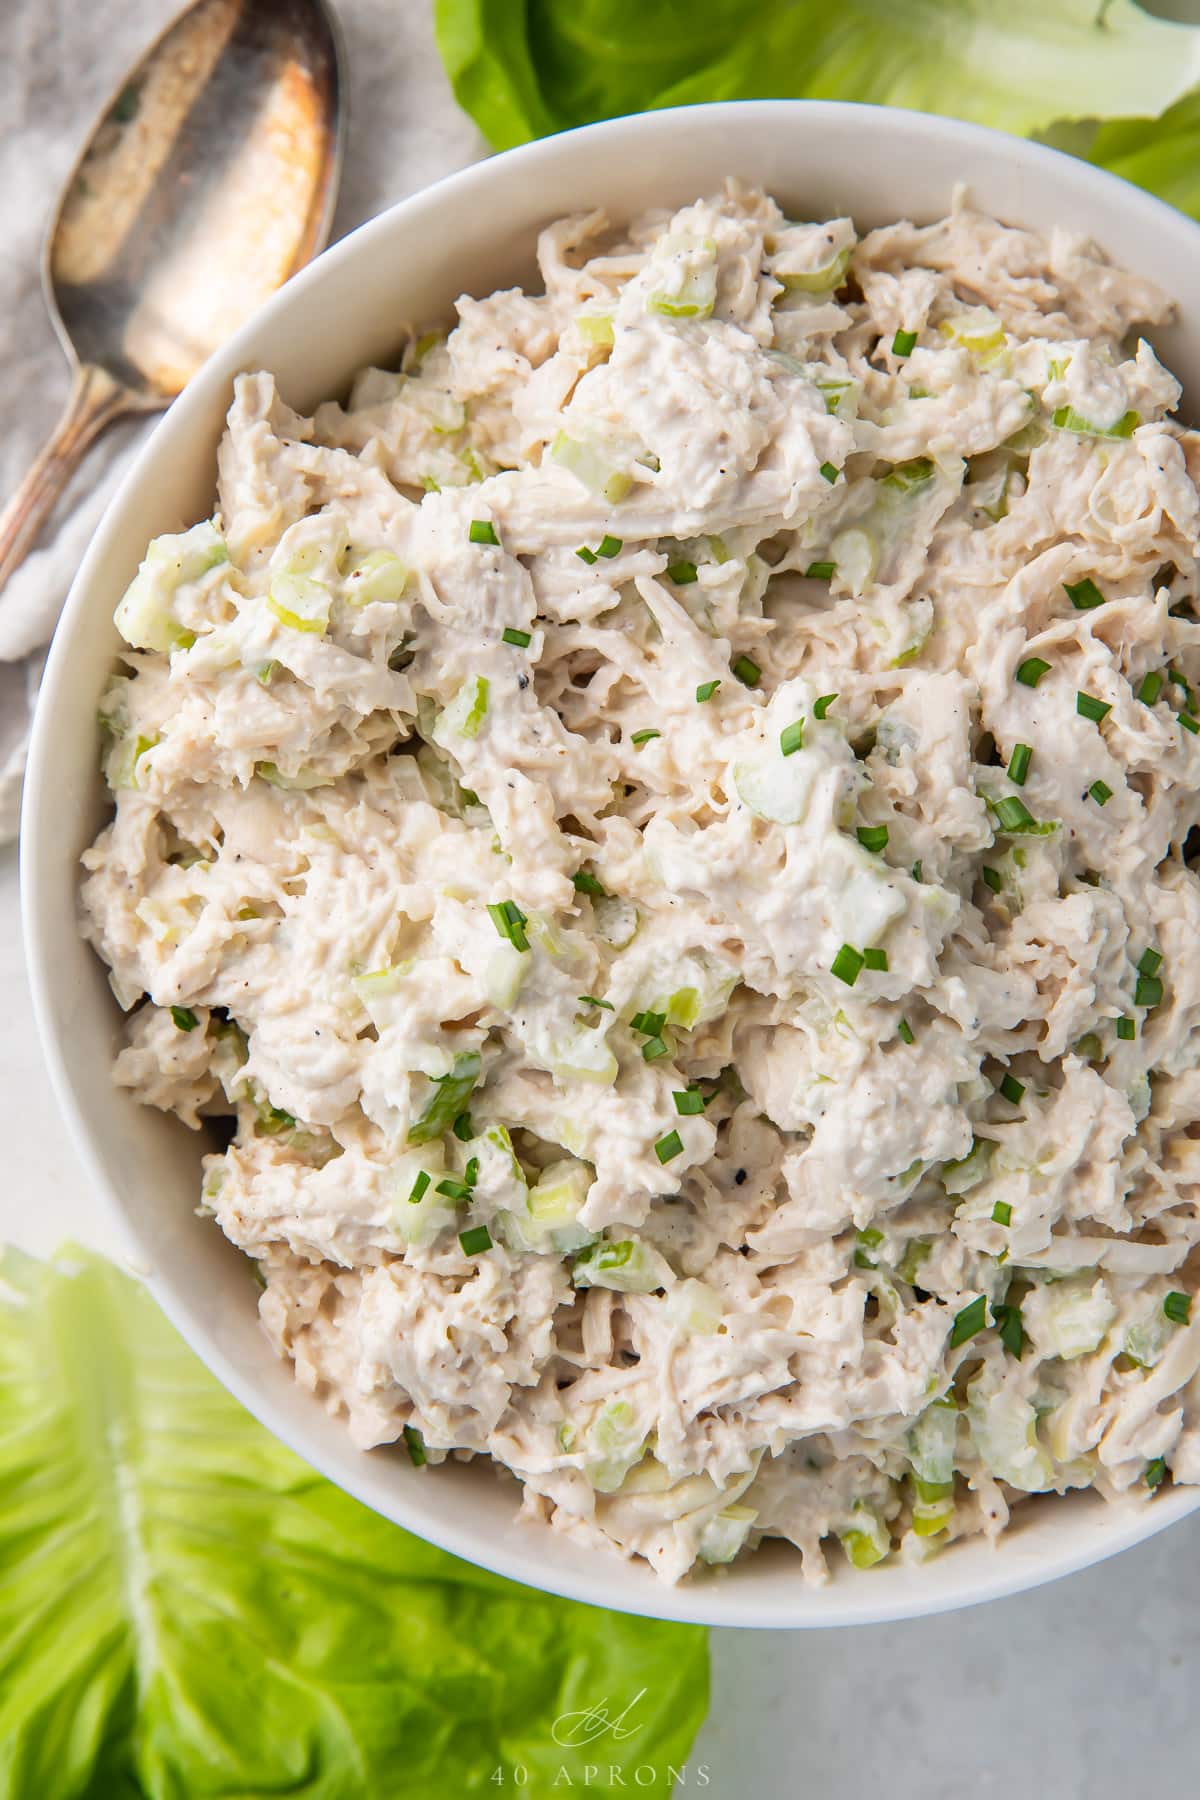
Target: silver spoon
[209,178]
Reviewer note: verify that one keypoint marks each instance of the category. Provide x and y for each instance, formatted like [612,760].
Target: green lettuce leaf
[524,68]
[187,1610]
[1160,154]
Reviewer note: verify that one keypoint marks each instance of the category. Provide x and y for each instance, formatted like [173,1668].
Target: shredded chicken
[663,828]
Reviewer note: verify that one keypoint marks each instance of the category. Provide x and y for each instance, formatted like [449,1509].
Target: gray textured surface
[1086,1688]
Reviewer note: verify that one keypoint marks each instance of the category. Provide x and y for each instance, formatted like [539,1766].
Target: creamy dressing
[661,828]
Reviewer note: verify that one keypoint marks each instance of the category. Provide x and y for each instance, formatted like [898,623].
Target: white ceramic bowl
[475,232]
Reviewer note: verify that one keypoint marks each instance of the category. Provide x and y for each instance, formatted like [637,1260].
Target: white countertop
[1085,1688]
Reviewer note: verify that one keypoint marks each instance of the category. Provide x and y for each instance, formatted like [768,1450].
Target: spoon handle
[96,400]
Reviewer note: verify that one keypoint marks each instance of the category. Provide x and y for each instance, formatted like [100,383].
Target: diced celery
[376,576]
[595,328]
[978,330]
[961,1176]
[776,787]
[381,984]
[933,1506]
[121,766]
[419,1213]
[299,602]
[705,983]
[465,713]
[689,289]
[144,615]
[823,280]
[725,1535]
[1149,1334]
[931,1443]
[299,783]
[1072,1317]
[694,1308]
[583,1056]
[1065,418]
[616,920]
[590,466]
[918,617]
[1004,1430]
[613,1443]
[868,1540]
[506,970]
[855,554]
[628,1266]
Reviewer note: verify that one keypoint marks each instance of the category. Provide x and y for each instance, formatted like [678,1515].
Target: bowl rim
[710,1601]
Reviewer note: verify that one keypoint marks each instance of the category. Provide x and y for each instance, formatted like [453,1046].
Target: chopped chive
[872,837]
[415,1445]
[185,1019]
[791,738]
[905,1031]
[1018,763]
[1126,1028]
[821,571]
[1013,814]
[829,472]
[454,1189]
[1002,1213]
[875,959]
[971,1319]
[483,532]
[655,1047]
[609,545]
[847,965]
[992,878]
[643,737]
[419,1187]
[822,705]
[1088,707]
[1156,1472]
[669,1146]
[1011,1326]
[1101,792]
[917,867]
[1189,722]
[591,1000]
[510,922]
[462,1127]
[650,1024]
[1148,991]
[1178,1308]
[1030,672]
[1084,595]
[584,882]
[706,690]
[1149,962]
[510,635]
[1012,1089]
[746,670]
[475,1240]
[681,573]
[904,343]
[471,1172]
[585,555]
[688,1101]
[1151,688]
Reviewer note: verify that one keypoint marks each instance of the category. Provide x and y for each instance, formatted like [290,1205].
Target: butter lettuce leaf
[187,1610]
[526,68]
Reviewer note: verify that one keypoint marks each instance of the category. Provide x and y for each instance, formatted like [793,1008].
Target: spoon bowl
[208,180]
